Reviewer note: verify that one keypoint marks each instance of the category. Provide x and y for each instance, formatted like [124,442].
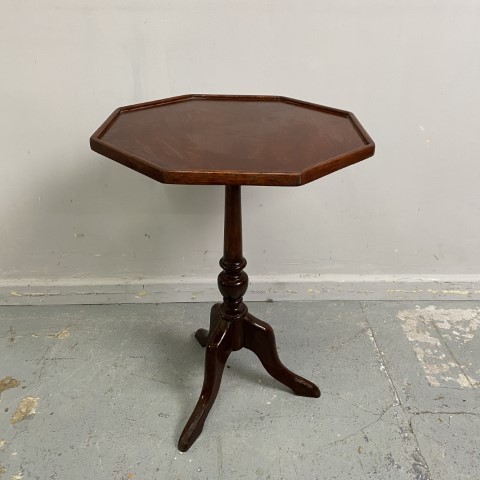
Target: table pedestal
[232,327]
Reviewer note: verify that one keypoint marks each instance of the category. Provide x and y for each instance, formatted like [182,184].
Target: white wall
[409,70]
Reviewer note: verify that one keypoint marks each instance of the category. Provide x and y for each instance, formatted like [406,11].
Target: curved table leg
[260,339]
[219,348]
[202,335]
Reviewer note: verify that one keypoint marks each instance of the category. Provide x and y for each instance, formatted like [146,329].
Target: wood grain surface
[225,139]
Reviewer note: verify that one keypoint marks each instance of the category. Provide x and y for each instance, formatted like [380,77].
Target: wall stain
[2,470]
[26,408]
[8,382]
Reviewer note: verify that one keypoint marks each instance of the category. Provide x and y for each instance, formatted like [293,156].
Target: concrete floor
[103,392]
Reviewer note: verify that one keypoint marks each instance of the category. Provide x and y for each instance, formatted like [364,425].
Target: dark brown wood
[233,140]
[218,349]
[232,327]
[203,335]
[233,281]
[260,339]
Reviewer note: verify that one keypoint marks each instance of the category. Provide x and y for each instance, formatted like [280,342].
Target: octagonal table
[233,140]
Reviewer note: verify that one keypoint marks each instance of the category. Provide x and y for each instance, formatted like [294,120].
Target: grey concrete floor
[103,392]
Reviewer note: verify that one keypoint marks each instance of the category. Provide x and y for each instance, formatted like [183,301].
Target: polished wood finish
[232,327]
[234,140]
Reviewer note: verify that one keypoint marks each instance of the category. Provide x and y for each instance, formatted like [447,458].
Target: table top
[233,140]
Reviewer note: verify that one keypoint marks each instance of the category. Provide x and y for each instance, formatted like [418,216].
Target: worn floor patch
[433,332]
[26,408]
[137,370]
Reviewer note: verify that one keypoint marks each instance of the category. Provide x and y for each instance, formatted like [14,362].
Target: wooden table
[233,141]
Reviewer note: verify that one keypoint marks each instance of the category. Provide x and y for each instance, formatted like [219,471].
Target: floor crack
[353,404]
[420,467]
[353,337]
[360,430]
[443,412]
[381,357]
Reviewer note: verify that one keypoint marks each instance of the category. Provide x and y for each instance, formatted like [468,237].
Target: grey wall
[409,70]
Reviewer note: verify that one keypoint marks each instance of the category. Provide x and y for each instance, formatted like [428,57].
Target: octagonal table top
[233,140]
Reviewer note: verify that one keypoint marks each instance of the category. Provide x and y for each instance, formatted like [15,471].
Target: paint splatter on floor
[8,382]
[26,408]
[430,329]
[61,335]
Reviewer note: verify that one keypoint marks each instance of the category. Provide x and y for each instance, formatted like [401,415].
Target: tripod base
[220,340]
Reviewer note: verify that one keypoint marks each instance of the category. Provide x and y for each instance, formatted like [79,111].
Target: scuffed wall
[408,70]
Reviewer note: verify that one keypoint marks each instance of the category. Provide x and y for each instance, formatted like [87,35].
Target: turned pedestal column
[232,327]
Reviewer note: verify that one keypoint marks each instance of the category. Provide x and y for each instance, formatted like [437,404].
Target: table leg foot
[260,339]
[219,348]
[202,335]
